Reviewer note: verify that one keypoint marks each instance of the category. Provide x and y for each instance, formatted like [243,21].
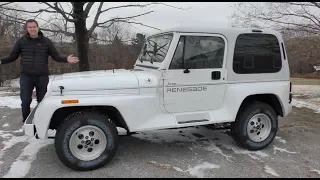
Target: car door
[196,77]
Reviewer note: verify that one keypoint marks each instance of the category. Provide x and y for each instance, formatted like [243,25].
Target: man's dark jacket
[34,54]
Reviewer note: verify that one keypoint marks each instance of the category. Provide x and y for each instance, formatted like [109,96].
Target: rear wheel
[256,126]
[86,141]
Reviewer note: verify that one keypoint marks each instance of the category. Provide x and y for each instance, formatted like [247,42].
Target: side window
[198,52]
[257,53]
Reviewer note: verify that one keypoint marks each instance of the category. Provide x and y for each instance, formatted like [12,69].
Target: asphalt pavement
[182,153]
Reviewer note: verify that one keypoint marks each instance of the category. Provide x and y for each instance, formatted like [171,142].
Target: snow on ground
[199,169]
[200,138]
[22,165]
[275,149]
[314,170]
[281,140]
[269,170]
[14,102]
[306,96]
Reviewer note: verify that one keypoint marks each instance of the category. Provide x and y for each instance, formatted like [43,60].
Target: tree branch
[4,4]
[88,8]
[130,23]
[316,4]
[95,21]
[124,18]
[58,10]
[59,31]
[141,6]
[298,4]
[25,11]
[21,21]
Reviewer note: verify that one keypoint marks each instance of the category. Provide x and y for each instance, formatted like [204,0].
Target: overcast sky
[209,13]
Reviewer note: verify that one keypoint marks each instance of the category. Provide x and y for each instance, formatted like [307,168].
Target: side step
[193,121]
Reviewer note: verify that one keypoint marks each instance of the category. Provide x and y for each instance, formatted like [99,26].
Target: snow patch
[166,166]
[14,102]
[13,141]
[51,133]
[275,148]
[314,170]
[281,140]
[22,165]
[197,171]
[300,103]
[5,135]
[20,130]
[269,170]
[212,147]
[5,125]
[210,141]
[200,169]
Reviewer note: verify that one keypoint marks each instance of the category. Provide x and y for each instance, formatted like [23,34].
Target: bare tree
[292,16]
[78,15]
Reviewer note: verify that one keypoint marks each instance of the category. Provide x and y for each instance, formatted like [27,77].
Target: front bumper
[29,127]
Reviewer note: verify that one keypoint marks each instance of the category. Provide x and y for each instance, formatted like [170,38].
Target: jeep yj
[188,76]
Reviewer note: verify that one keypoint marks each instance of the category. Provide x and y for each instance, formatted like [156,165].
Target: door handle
[215,75]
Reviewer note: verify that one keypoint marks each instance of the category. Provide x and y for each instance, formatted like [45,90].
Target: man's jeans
[27,84]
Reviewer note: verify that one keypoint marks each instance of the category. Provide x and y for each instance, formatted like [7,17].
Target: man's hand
[72,59]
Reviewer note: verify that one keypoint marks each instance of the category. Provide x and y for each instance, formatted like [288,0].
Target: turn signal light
[70,101]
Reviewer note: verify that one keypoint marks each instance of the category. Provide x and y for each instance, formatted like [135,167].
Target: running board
[193,121]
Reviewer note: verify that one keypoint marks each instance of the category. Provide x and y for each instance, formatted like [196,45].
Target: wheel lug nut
[92,139]
[87,137]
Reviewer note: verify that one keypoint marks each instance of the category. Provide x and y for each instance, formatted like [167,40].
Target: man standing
[34,49]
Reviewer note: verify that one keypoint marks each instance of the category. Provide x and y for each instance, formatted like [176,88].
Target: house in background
[317,66]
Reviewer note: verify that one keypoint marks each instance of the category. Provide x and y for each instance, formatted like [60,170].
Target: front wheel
[86,141]
[255,126]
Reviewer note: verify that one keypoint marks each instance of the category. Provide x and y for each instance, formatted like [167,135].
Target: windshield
[155,48]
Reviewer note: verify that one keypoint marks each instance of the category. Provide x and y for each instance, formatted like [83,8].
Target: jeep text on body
[182,77]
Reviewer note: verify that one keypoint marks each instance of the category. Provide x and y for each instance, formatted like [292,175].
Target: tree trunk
[81,37]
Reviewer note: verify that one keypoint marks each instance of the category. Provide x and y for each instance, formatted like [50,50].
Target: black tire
[74,122]
[239,127]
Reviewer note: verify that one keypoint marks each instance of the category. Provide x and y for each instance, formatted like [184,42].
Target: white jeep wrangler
[182,77]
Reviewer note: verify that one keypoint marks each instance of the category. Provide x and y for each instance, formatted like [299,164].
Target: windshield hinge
[61,89]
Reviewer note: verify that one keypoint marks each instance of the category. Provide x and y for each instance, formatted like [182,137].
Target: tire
[74,150]
[257,136]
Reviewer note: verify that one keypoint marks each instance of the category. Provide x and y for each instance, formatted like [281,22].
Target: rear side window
[257,53]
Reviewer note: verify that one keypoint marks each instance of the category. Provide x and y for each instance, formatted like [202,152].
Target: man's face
[32,28]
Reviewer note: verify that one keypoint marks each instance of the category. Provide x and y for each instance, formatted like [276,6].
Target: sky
[163,17]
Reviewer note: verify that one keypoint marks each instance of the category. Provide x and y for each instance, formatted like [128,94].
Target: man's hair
[31,21]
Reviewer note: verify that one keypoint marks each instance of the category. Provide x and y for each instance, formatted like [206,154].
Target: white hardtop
[228,31]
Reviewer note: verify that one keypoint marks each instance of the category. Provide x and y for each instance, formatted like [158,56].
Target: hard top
[228,31]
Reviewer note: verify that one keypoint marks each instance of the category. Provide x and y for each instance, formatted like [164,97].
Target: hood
[96,82]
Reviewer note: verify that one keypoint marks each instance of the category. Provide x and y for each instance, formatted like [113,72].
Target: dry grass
[307,76]
[304,81]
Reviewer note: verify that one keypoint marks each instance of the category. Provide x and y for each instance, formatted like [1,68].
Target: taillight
[290,94]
